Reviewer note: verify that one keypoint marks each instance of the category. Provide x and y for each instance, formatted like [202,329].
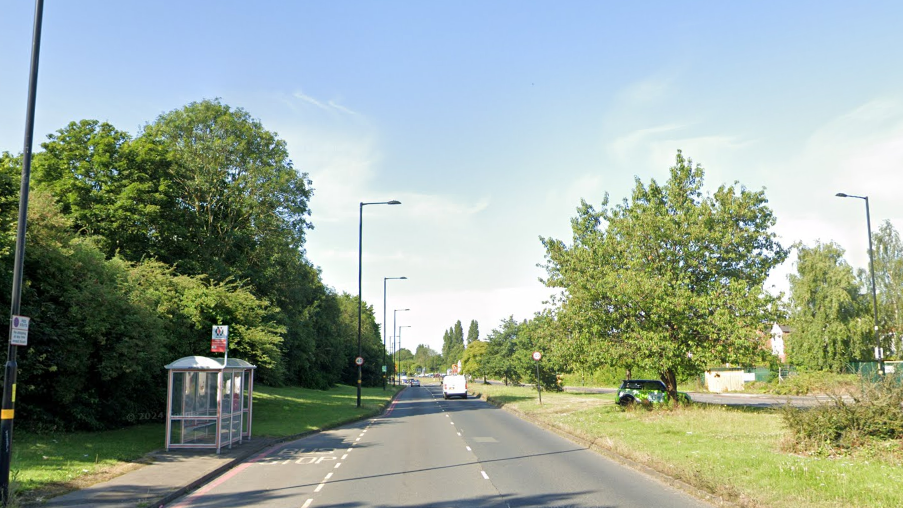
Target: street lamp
[385,374]
[868,224]
[360,255]
[394,335]
[399,341]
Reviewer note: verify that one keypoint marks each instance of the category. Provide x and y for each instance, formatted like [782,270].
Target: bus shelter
[209,402]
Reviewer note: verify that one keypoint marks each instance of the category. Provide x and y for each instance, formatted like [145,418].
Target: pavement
[170,475]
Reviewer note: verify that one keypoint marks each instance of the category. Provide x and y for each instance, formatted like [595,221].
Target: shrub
[875,412]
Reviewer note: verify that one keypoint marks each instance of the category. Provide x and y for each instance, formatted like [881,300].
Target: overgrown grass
[733,453]
[65,461]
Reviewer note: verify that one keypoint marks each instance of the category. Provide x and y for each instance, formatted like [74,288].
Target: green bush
[874,413]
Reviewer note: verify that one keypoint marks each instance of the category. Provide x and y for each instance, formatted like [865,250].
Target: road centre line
[344,456]
[307,503]
[468,448]
[328,476]
[320,486]
[485,476]
[337,465]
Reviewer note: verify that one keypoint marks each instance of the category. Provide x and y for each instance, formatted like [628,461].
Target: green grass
[59,462]
[732,453]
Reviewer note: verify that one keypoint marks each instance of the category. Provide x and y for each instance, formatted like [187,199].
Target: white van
[454,386]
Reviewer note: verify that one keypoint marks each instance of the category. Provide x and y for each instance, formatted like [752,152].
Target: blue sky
[490,120]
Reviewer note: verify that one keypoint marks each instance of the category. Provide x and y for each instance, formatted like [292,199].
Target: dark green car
[645,390]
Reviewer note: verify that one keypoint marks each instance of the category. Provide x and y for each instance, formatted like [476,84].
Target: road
[429,452]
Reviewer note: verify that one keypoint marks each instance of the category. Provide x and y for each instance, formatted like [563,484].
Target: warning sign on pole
[220,340]
[19,332]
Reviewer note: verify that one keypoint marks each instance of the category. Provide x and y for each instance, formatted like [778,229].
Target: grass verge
[733,454]
[45,465]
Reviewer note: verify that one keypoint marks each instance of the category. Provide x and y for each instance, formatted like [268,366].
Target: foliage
[473,332]
[475,359]
[503,361]
[453,343]
[888,250]
[847,422]
[829,315]
[671,280]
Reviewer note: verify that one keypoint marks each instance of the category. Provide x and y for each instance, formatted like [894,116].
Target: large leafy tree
[670,280]
[241,199]
[475,359]
[829,313]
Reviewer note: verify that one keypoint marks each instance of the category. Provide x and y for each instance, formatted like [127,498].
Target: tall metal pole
[9,381]
[868,224]
[360,301]
[360,263]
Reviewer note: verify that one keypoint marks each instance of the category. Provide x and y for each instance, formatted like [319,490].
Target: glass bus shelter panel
[194,394]
[193,432]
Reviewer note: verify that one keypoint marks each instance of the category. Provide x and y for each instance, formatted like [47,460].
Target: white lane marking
[307,503]
[320,486]
[452,423]
[337,465]
[485,476]
[447,416]
[356,440]
[327,477]
[344,456]
[468,449]
[459,434]
[349,449]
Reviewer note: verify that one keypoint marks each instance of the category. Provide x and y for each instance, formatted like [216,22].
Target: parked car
[645,390]
[454,386]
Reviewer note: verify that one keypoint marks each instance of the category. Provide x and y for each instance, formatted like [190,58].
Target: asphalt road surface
[430,452]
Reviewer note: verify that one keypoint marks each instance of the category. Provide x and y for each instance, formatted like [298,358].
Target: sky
[490,121]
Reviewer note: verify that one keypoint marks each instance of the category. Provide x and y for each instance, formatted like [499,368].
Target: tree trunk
[670,380]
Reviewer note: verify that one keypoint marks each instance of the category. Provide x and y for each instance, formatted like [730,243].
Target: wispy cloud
[329,105]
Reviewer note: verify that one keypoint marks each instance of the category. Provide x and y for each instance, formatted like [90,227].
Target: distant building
[779,335]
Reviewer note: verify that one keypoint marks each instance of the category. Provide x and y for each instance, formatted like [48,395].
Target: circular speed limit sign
[537,355]
[359,361]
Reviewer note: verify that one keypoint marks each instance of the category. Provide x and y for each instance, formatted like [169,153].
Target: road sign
[19,335]
[220,340]
[454,369]
[536,356]
[359,361]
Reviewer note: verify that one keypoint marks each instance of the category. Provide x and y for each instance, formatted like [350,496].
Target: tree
[239,195]
[671,280]
[889,283]
[502,360]
[828,312]
[475,359]
[473,332]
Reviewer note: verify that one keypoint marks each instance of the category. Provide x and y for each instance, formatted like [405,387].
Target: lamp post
[386,373]
[868,224]
[11,368]
[394,335]
[360,310]
[399,342]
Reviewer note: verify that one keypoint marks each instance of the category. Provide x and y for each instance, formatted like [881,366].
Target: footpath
[169,476]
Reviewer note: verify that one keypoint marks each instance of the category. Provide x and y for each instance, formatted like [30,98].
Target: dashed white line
[320,486]
[307,503]
[344,456]
[327,477]
[468,449]
[459,434]
[356,440]
[337,465]
[485,476]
